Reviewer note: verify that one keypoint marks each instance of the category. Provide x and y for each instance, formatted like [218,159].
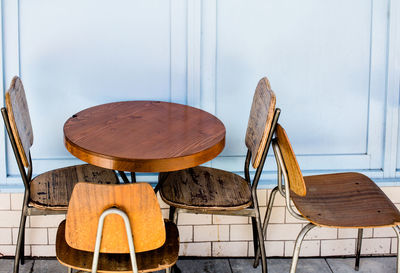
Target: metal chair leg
[358,250]
[69,270]
[168,270]
[124,177]
[297,246]
[173,215]
[255,236]
[23,248]
[133,177]
[261,245]
[20,240]
[397,230]
[265,223]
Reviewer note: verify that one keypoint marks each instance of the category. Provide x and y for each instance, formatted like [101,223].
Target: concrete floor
[235,265]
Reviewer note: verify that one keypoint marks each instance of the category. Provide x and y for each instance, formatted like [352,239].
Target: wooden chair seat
[345,200]
[208,188]
[53,189]
[158,259]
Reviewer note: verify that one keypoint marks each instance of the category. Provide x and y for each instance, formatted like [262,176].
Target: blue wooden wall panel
[327,61]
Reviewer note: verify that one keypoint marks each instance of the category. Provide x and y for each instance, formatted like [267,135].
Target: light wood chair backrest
[20,121]
[137,200]
[296,180]
[260,120]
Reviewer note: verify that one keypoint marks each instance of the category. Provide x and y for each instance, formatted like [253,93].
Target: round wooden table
[144,136]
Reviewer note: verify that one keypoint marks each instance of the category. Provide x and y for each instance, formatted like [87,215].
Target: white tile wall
[212,235]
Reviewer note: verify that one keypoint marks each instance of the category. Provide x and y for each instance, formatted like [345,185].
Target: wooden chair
[107,224]
[340,200]
[213,191]
[47,193]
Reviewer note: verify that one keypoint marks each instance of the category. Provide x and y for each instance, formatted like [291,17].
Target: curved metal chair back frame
[128,235]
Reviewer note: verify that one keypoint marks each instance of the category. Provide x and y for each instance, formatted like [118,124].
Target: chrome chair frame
[283,189]
[99,236]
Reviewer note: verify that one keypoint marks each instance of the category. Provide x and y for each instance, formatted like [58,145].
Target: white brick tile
[319,233]
[228,219]
[165,213]
[276,232]
[194,219]
[393,246]
[5,201]
[308,248]
[393,193]
[9,250]
[195,249]
[277,215]
[229,249]
[211,233]
[338,247]
[44,250]
[33,236]
[46,220]
[10,218]
[384,232]
[5,236]
[262,197]
[52,233]
[375,246]
[163,205]
[350,233]
[241,233]
[16,201]
[272,248]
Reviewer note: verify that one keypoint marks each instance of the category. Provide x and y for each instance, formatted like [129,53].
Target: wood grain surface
[20,121]
[260,120]
[346,200]
[144,136]
[296,181]
[149,261]
[137,200]
[53,189]
[205,188]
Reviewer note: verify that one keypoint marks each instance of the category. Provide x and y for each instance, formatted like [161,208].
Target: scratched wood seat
[47,193]
[341,200]
[155,241]
[209,190]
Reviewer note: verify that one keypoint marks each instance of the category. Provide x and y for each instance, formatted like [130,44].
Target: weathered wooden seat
[155,242]
[346,200]
[53,189]
[341,200]
[208,188]
[47,193]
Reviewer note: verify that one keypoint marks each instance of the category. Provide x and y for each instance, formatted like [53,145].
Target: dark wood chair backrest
[296,180]
[137,200]
[260,120]
[20,121]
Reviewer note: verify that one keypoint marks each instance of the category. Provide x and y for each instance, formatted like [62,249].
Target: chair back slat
[20,121]
[137,200]
[296,180]
[260,120]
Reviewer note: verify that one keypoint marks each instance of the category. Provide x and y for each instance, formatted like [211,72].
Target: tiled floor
[236,265]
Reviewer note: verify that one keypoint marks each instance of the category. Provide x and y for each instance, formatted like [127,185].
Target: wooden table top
[144,136]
